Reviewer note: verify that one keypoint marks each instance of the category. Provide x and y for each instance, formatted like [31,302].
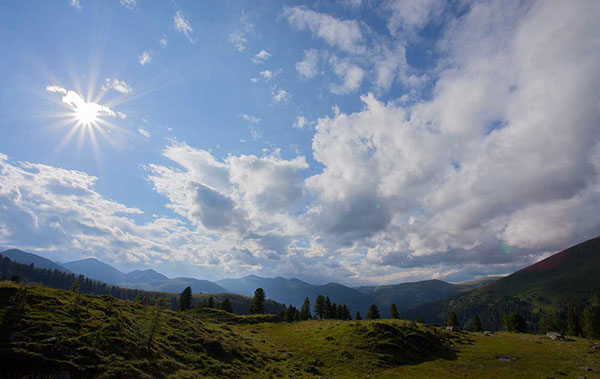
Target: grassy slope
[539,357]
[570,275]
[109,339]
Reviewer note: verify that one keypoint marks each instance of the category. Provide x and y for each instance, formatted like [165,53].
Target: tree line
[323,308]
[576,324]
[17,272]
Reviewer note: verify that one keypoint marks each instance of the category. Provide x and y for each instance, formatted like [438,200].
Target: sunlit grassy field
[45,332]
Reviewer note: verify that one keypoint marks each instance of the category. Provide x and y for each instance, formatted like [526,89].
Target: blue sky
[357,141]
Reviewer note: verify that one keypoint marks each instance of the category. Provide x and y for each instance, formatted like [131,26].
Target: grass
[44,332]
[538,357]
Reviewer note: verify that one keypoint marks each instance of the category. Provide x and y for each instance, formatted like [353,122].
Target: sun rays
[85,120]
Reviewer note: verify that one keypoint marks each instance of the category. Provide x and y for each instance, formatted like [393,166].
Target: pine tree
[373,313]
[514,322]
[305,312]
[296,315]
[258,303]
[476,324]
[185,299]
[357,317]
[394,311]
[327,308]
[591,324]
[547,323]
[346,313]
[320,307]
[226,305]
[210,303]
[573,324]
[158,305]
[452,320]
[333,312]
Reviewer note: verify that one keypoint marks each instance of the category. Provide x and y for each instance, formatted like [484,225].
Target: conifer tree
[210,302]
[591,324]
[394,311]
[476,324]
[373,313]
[452,320]
[514,322]
[358,318]
[226,305]
[320,307]
[547,323]
[258,303]
[305,312]
[327,307]
[296,315]
[333,312]
[573,323]
[185,299]
[346,313]
[157,309]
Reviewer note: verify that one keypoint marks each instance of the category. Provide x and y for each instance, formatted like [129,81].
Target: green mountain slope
[50,332]
[571,276]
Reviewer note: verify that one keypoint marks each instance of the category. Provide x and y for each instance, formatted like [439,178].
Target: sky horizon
[354,141]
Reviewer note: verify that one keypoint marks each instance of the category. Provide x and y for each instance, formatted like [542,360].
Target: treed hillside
[567,280]
[50,332]
[62,280]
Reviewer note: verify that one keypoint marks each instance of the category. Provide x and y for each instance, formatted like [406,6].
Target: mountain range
[289,291]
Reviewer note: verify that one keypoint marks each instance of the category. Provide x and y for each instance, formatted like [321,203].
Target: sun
[86,113]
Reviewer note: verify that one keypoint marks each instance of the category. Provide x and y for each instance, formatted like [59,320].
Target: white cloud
[261,57]
[254,80]
[409,15]
[130,4]
[145,57]
[144,132]
[76,4]
[350,74]
[267,74]
[75,101]
[240,36]
[308,67]
[344,34]
[117,85]
[183,26]
[300,122]
[281,95]
[251,119]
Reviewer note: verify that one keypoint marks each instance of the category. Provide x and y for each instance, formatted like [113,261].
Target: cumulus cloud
[117,85]
[145,57]
[76,4]
[76,102]
[350,74]
[261,57]
[300,122]
[281,96]
[183,26]
[308,67]
[343,34]
[267,74]
[408,15]
[361,52]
